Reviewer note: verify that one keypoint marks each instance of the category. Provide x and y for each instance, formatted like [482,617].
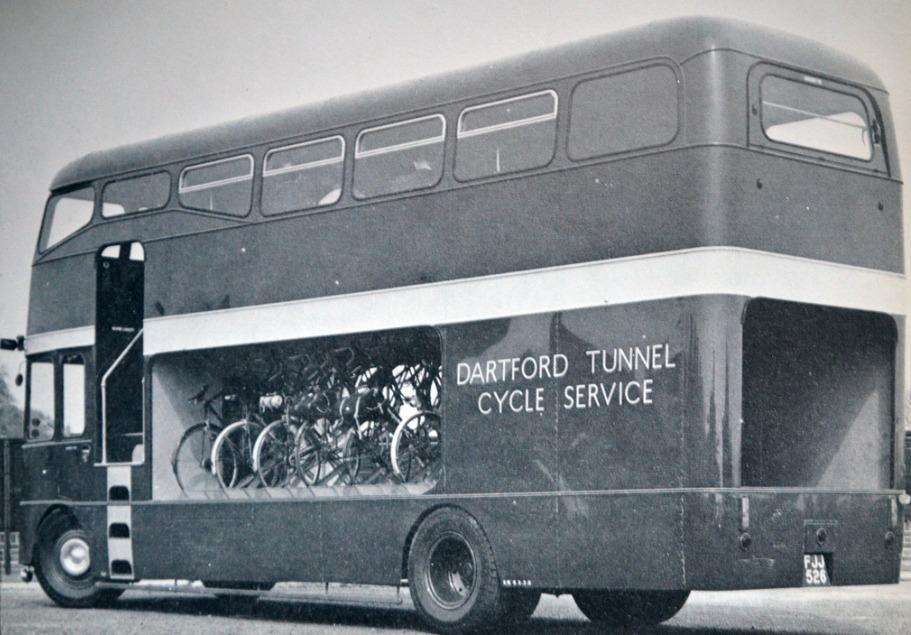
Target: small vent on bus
[121,567]
[119,493]
[119,530]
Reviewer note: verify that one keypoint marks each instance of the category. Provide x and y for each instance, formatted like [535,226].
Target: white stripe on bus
[57,340]
[691,272]
[688,272]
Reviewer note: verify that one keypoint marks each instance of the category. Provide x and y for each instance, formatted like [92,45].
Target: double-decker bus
[621,319]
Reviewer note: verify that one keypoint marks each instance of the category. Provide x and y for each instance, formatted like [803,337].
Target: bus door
[75,454]
[118,353]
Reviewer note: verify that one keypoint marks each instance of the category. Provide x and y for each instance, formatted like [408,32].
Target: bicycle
[191,460]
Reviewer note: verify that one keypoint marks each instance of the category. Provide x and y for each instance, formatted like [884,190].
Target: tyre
[517,606]
[192,460]
[626,608]
[65,567]
[415,448]
[452,575]
[232,453]
[308,455]
[273,455]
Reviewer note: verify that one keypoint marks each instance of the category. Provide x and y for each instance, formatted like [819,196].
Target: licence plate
[815,572]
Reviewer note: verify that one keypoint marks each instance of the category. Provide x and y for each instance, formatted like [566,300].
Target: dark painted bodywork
[641,496]
[630,498]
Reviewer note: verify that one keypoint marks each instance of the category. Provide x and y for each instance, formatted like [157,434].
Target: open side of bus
[659,364]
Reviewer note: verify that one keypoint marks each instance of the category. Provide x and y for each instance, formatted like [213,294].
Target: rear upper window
[509,135]
[223,186]
[67,213]
[623,112]
[808,116]
[399,157]
[303,176]
[138,194]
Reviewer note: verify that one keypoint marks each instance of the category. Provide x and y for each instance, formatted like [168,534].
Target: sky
[79,77]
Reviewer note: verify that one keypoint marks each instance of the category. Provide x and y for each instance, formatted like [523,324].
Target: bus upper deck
[670,137]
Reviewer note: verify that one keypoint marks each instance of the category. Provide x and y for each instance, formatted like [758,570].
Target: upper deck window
[817,118]
[138,194]
[67,213]
[513,134]
[399,157]
[303,176]
[223,186]
[623,112]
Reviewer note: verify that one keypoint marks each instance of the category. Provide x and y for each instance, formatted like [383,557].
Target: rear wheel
[65,565]
[630,607]
[452,574]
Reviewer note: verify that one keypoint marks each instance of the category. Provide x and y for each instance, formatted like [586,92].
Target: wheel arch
[35,524]
[409,538]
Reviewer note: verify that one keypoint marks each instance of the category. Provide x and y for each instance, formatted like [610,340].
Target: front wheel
[65,565]
[452,575]
[627,608]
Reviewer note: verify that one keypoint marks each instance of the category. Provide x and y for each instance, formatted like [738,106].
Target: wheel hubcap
[452,571]
[75,558]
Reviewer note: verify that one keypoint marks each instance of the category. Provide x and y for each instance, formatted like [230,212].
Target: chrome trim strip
[363,154]
[303,166]
[461,134]
[181,188]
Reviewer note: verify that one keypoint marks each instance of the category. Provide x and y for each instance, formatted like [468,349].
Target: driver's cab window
[40,425]
[73,395]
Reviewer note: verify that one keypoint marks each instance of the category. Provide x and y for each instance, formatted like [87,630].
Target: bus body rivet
[821,535]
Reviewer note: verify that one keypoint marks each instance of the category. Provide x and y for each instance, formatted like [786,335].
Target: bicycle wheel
[191,460]
[415,448]
[235,444]
[341,460]
[273,455]
[307,458]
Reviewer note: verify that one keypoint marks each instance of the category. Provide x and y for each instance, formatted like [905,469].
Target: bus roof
[678,39]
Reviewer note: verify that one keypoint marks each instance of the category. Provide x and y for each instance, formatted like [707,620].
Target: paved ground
[878,609]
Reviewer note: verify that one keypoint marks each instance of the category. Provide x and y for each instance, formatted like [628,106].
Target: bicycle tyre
[405,439]
[194,449]
[223,449]
[275,432]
